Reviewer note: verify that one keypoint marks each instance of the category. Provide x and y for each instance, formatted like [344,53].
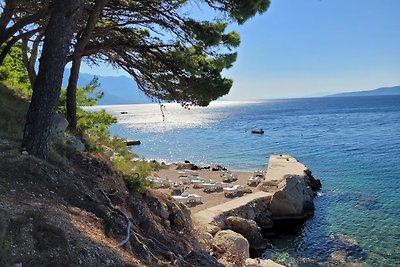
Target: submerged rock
[345,240]
[348,244]
[340,258]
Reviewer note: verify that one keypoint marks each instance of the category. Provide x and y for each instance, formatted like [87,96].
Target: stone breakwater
[231,229]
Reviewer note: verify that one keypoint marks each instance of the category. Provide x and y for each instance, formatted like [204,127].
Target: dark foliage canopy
[171,53]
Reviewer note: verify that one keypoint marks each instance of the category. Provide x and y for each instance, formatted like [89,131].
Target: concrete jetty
[279,167]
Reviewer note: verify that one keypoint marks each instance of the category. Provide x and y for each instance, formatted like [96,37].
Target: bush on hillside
[94,122]
[13,73]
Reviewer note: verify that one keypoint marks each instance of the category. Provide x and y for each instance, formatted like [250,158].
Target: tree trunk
[7,48]
[71,104]
[71,94]
[6,15]
[7,33]
[29,61]
[58,36]
[11,42]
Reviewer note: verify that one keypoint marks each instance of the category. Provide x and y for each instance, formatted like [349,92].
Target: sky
[313,48]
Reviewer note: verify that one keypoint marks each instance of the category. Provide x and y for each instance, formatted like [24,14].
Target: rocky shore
[231,229]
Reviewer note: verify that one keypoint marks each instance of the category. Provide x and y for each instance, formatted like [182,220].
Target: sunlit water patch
[169,116]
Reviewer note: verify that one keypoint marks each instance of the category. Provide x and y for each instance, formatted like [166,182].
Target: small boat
[132,142]
[257,131]
[124,112]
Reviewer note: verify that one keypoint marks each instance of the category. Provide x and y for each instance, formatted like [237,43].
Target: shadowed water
[352,144]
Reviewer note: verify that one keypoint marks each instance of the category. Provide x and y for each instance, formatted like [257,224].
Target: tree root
[128,234]
[129,230]
[175,259]
[122,214]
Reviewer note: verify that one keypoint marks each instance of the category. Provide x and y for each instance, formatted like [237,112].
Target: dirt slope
[71,212]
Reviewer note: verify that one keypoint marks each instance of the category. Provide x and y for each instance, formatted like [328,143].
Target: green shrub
[118,145]
[135,183]
[13,72]
[92,122]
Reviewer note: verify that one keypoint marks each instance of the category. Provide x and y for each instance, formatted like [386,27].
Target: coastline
[275,171]
[352,183]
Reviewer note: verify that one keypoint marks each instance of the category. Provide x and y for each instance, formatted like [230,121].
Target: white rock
[60,124]
[107,151]
[261,263]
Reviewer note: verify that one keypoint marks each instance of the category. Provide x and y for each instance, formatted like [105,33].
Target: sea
[352,144]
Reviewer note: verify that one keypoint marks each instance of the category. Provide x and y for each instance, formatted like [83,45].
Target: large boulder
[230,248]
[249,229]
[295,200]
[60,124]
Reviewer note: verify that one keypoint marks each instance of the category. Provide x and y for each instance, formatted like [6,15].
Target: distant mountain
[395,90]
[118,90]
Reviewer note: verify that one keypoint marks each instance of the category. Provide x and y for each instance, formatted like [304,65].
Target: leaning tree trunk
[71,93]
[6,49]
[6,16]
[29,61]
[71,104]
[58,36]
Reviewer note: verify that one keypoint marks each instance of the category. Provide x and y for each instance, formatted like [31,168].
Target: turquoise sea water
[352,144]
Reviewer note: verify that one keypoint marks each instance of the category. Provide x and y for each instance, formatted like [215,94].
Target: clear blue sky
[308,47]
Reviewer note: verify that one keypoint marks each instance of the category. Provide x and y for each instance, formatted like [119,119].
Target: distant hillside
[117,90]
[395,90]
